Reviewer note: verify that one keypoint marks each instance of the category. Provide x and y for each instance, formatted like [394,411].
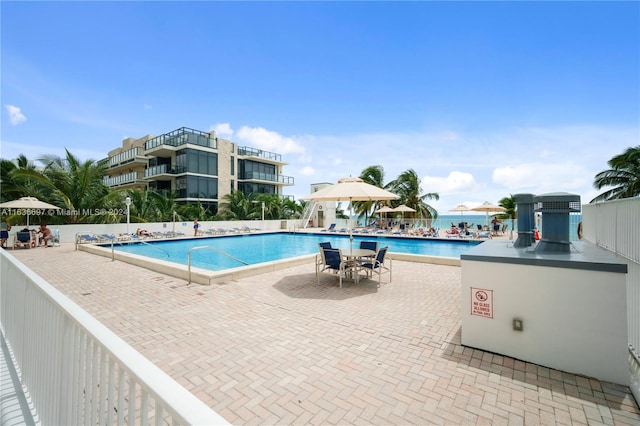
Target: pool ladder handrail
[212,249]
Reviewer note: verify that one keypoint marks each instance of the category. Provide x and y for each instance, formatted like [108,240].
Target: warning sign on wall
[482,302]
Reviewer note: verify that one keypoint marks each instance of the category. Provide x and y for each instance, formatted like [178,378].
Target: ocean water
[445,222]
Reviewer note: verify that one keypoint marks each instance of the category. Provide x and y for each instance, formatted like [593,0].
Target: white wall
[68,232]
[574,320]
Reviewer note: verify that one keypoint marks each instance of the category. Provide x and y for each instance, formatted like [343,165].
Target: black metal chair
[377,265]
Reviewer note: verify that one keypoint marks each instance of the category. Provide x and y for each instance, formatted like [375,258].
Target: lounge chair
[331,228]
[87,238]
[23,239]
[377,265]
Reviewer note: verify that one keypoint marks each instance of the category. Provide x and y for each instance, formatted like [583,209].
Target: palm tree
[15,184]
[79,185]
[509,205]
[73,184]
[407,186]
[373,175]
[623,176]
[236,206]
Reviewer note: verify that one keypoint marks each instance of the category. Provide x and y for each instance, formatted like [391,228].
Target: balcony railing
[182,136]
[123,179]
[77,371]
[252,152]
[285,180]
[125,157]
[157,170]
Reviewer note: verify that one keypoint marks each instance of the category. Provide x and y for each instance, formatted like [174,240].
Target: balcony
[129,158]
[125,179]
[265,155]
[267,177]
[165,145]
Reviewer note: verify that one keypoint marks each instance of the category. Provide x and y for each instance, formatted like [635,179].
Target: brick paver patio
[279,349]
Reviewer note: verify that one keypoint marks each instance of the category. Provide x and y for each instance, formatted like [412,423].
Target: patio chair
[377,265]
[55,237]
[333,263]
[320,256]
[369,245]
[23,239]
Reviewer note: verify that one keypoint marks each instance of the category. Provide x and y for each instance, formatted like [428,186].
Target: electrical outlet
[517,324]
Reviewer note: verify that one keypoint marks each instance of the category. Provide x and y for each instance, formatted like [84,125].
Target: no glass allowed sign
[482,302]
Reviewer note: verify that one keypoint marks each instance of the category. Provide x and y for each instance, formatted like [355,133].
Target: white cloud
[15,114]
[539,178]
[307,171]
[259,137]
[456,182]
[223,130]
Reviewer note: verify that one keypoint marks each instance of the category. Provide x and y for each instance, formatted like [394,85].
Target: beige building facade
[197,165]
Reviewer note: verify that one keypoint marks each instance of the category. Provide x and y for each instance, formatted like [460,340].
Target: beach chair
[331,228]
[23,239]
[87,238]
[106,237]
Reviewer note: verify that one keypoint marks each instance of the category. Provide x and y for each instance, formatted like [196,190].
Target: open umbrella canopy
[460,208]
[488,207]
[351,189]
[28,203]
[385,209]
[404,209]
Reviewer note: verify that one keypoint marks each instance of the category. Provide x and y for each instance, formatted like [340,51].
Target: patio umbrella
[29,203]
[488,207]
[402,209]
[460,208]
[351,189]
[385,209]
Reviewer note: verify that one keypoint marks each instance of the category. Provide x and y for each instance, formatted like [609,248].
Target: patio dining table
[352,257]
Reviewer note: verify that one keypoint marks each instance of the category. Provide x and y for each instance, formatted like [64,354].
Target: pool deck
[279,349]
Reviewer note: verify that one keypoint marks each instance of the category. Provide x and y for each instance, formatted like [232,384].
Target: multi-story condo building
[197,165]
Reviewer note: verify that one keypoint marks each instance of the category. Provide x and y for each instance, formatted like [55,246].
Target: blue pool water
[259,248]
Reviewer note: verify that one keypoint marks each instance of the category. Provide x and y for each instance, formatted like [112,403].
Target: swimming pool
[241,250]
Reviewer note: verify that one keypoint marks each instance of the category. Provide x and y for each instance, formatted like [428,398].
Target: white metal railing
[615,226]
[76,370]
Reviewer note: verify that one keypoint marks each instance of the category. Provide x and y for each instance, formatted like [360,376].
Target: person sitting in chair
[45,235]
[453,231]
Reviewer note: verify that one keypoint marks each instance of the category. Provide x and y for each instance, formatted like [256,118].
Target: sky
[480,99]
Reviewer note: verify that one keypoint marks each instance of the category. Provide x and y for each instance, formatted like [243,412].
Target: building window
[233,165]
[195,161]
[258,188]
[200,187]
